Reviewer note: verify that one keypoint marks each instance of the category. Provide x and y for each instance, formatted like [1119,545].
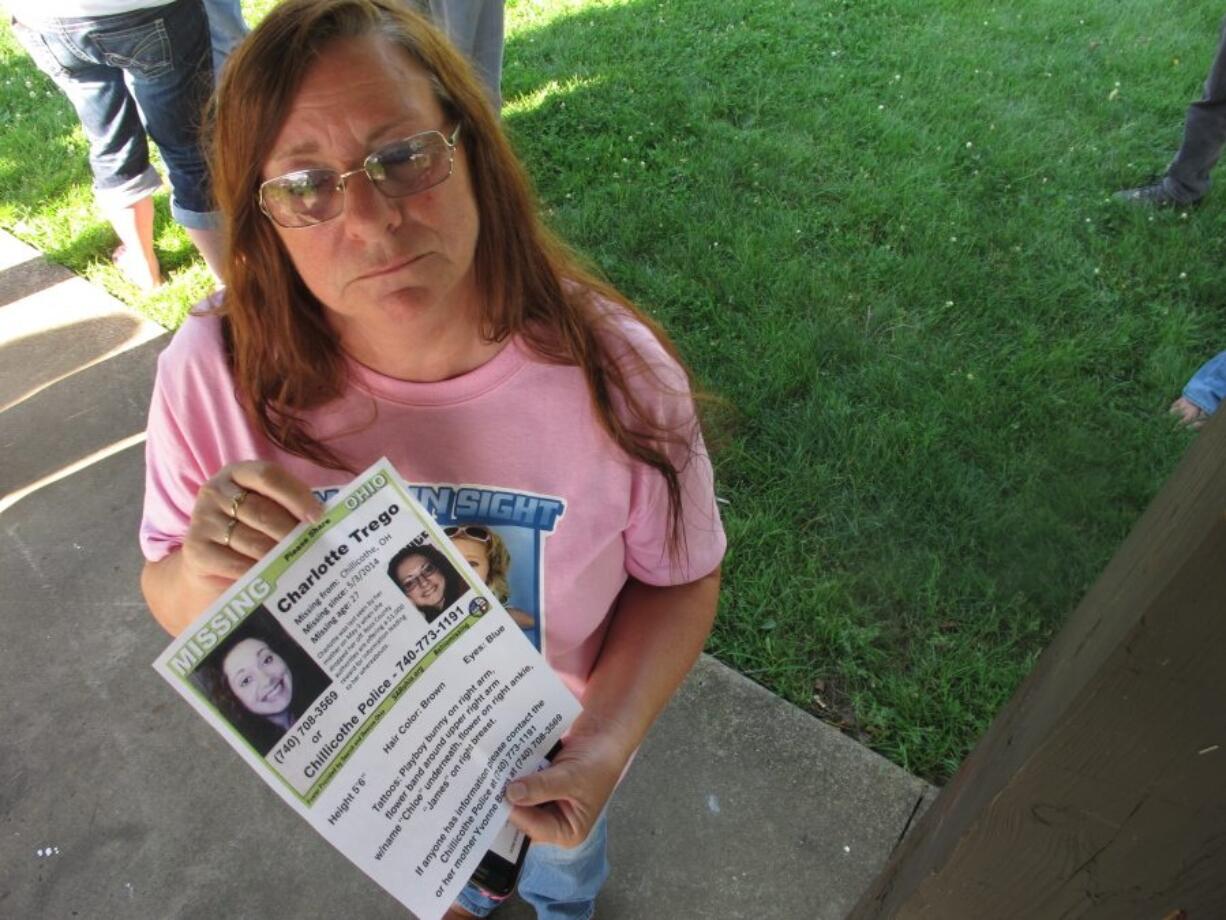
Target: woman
[421,311]
[489,557]
[427,579]
[250,679]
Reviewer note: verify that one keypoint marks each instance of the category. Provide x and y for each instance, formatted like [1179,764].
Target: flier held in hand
[369,676]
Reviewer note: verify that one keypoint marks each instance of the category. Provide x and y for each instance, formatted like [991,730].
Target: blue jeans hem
[194,220]
[130,191]
[155,62]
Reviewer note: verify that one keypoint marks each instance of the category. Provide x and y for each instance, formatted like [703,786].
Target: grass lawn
[881,232]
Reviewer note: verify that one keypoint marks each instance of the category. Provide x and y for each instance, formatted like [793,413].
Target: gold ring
[237,500]
[229,532]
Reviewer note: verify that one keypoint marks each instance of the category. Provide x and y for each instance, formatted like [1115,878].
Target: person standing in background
[226,29]
[108,56]
[1186,180]
[475,27]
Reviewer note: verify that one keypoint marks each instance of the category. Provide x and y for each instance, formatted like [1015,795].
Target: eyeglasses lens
[312,196]
[418,578]
[303,198]
[410,166]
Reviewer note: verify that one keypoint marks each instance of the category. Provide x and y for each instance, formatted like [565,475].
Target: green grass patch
[882,232]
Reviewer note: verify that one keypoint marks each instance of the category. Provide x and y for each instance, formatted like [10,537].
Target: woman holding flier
[391,290]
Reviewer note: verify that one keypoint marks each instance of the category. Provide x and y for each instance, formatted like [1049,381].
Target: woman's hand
[1189,413]
[656,634]
[561,803]
[240,514]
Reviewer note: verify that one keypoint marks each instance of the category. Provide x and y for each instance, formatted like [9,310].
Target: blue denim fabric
[560,884]
[1207,387]
[226,29]
[165,53]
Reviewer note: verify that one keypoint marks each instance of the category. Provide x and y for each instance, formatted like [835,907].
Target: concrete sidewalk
[117,801]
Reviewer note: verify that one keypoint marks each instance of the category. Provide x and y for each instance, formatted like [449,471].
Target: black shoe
[1152,196]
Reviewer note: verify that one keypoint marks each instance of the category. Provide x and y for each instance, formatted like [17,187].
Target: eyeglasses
[418,578]
[307,197]
[472,531]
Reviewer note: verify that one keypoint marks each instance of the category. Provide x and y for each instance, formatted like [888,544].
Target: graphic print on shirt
[502,534]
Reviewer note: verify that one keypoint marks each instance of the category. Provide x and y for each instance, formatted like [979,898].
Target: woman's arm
[655,636]
[239,515]
[174,597]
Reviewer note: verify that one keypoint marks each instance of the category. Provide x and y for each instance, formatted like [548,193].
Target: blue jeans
[1208,385]
[165,53]
[226,29]
[560,884]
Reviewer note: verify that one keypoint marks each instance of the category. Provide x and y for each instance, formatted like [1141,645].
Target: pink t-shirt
[514,446]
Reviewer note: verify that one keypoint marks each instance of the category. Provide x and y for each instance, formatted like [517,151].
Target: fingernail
[516,792]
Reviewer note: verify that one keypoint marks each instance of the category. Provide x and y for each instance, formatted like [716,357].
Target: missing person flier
[369,675]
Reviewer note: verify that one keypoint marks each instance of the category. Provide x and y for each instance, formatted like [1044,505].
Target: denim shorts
[560,884]
[165,54]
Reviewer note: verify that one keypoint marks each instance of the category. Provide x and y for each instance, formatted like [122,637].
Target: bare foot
[456,912]
[1189,413]
[136,269]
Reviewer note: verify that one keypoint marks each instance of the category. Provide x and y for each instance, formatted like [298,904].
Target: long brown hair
[285,359]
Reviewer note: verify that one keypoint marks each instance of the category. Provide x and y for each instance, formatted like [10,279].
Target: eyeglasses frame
[365,168]
[418,577]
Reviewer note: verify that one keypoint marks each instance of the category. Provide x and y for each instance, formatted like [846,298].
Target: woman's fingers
[279,485]
[542,824]
[208,552]
[241,513]
[252,543]
[263,516]
[1189,413]
[561,803]
[543,806]
[546,785]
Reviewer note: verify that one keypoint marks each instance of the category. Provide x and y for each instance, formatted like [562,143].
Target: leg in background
[1204,134]
[134,258]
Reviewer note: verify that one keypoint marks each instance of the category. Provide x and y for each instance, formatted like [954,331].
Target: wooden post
[1100,789]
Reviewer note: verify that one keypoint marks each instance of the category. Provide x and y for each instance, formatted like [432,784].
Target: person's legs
[134,226]
[1204,134]
[208,241]
[226,29]
[562,884]
[124,182]
[489,38]
[476,28]
[172,81]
